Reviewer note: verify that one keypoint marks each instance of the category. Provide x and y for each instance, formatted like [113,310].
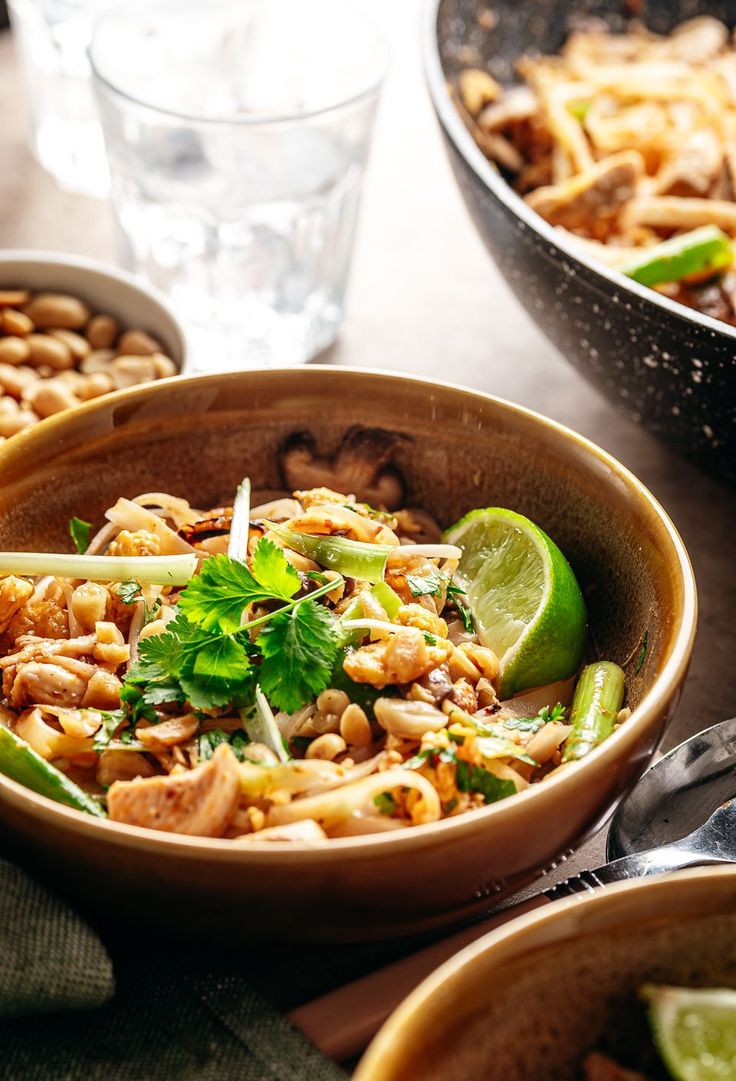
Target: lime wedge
[526,603]
[695,1031]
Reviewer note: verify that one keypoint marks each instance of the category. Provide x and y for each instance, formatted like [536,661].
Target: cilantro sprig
[206,656]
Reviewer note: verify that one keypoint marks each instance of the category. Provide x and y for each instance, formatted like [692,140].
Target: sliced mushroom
[361,466]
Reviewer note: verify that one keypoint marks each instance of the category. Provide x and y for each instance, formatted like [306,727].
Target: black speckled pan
[667,367]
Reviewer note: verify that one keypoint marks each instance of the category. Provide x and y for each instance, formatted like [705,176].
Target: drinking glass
[52,37]
[237,133]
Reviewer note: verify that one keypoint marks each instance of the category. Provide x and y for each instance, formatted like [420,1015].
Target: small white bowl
[104,288]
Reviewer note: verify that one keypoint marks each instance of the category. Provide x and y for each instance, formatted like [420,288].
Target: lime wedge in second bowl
[525,600]
[695,1031]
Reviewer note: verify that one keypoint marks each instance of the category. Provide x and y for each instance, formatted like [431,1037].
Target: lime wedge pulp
[695,1031]
[525,600]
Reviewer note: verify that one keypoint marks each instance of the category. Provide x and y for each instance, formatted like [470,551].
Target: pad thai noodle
[627,143]
[289,668]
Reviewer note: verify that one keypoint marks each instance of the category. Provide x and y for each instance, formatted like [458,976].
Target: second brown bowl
[197,438]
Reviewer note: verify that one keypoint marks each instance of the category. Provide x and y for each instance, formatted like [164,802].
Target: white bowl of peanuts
[72,329]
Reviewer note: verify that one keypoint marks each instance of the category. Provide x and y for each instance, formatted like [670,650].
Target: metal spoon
[678,792]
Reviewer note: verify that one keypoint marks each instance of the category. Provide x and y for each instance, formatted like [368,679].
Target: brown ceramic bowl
[532,1000]
[197,437]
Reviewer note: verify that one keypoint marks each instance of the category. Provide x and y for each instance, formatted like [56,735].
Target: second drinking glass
[237,133]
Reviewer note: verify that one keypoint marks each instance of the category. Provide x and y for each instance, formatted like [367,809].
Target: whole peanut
[49,351]
[51,396]
[14,350]
[12,423]
[126,371]
[14,298]
[15,322]
[102,330]
[138,343]
[57,310]
[77,345]
[98,360]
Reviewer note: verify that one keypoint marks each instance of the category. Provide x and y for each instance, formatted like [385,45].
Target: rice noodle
[334,807]
[129,515]
[175,508]
[101,539]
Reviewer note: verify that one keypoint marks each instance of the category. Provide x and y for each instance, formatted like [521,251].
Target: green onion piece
[389,600]
[240,524]
[352,559]
[598,697]
[155,570]
[22,764]
[701,251]
[260,726]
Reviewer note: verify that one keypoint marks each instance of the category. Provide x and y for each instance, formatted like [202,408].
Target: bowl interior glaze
[532,1000]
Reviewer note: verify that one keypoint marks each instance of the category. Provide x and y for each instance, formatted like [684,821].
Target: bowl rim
[655,700]
[554,924]
[470,152]
[117,275]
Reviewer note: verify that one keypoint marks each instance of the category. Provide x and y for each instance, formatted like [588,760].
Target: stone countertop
[425,298]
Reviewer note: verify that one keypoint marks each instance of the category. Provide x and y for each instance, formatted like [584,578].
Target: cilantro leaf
[209,742]
[429,585]
[465,615]
[273,572]
[476,779]
[162,655]
[223,658]
[299,649]
[79,531]
[128,591]
[217,597]
[111,721]
[642,653]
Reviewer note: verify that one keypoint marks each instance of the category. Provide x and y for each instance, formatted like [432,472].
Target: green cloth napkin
[171,1013]
[49,958]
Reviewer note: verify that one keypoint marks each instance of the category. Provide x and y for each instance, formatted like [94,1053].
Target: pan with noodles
[298,668]
[627,142]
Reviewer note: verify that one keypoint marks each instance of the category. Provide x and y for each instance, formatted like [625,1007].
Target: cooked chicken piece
[199,802]
[328,518]
[14,592]
[361,466]
[36,682]
[56,672]
[399,658]
[139,543]
[591,201]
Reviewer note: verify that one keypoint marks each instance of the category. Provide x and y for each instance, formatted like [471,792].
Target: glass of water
[52,37]
[237,133]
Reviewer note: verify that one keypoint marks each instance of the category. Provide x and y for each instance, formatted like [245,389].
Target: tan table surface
[425,298]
